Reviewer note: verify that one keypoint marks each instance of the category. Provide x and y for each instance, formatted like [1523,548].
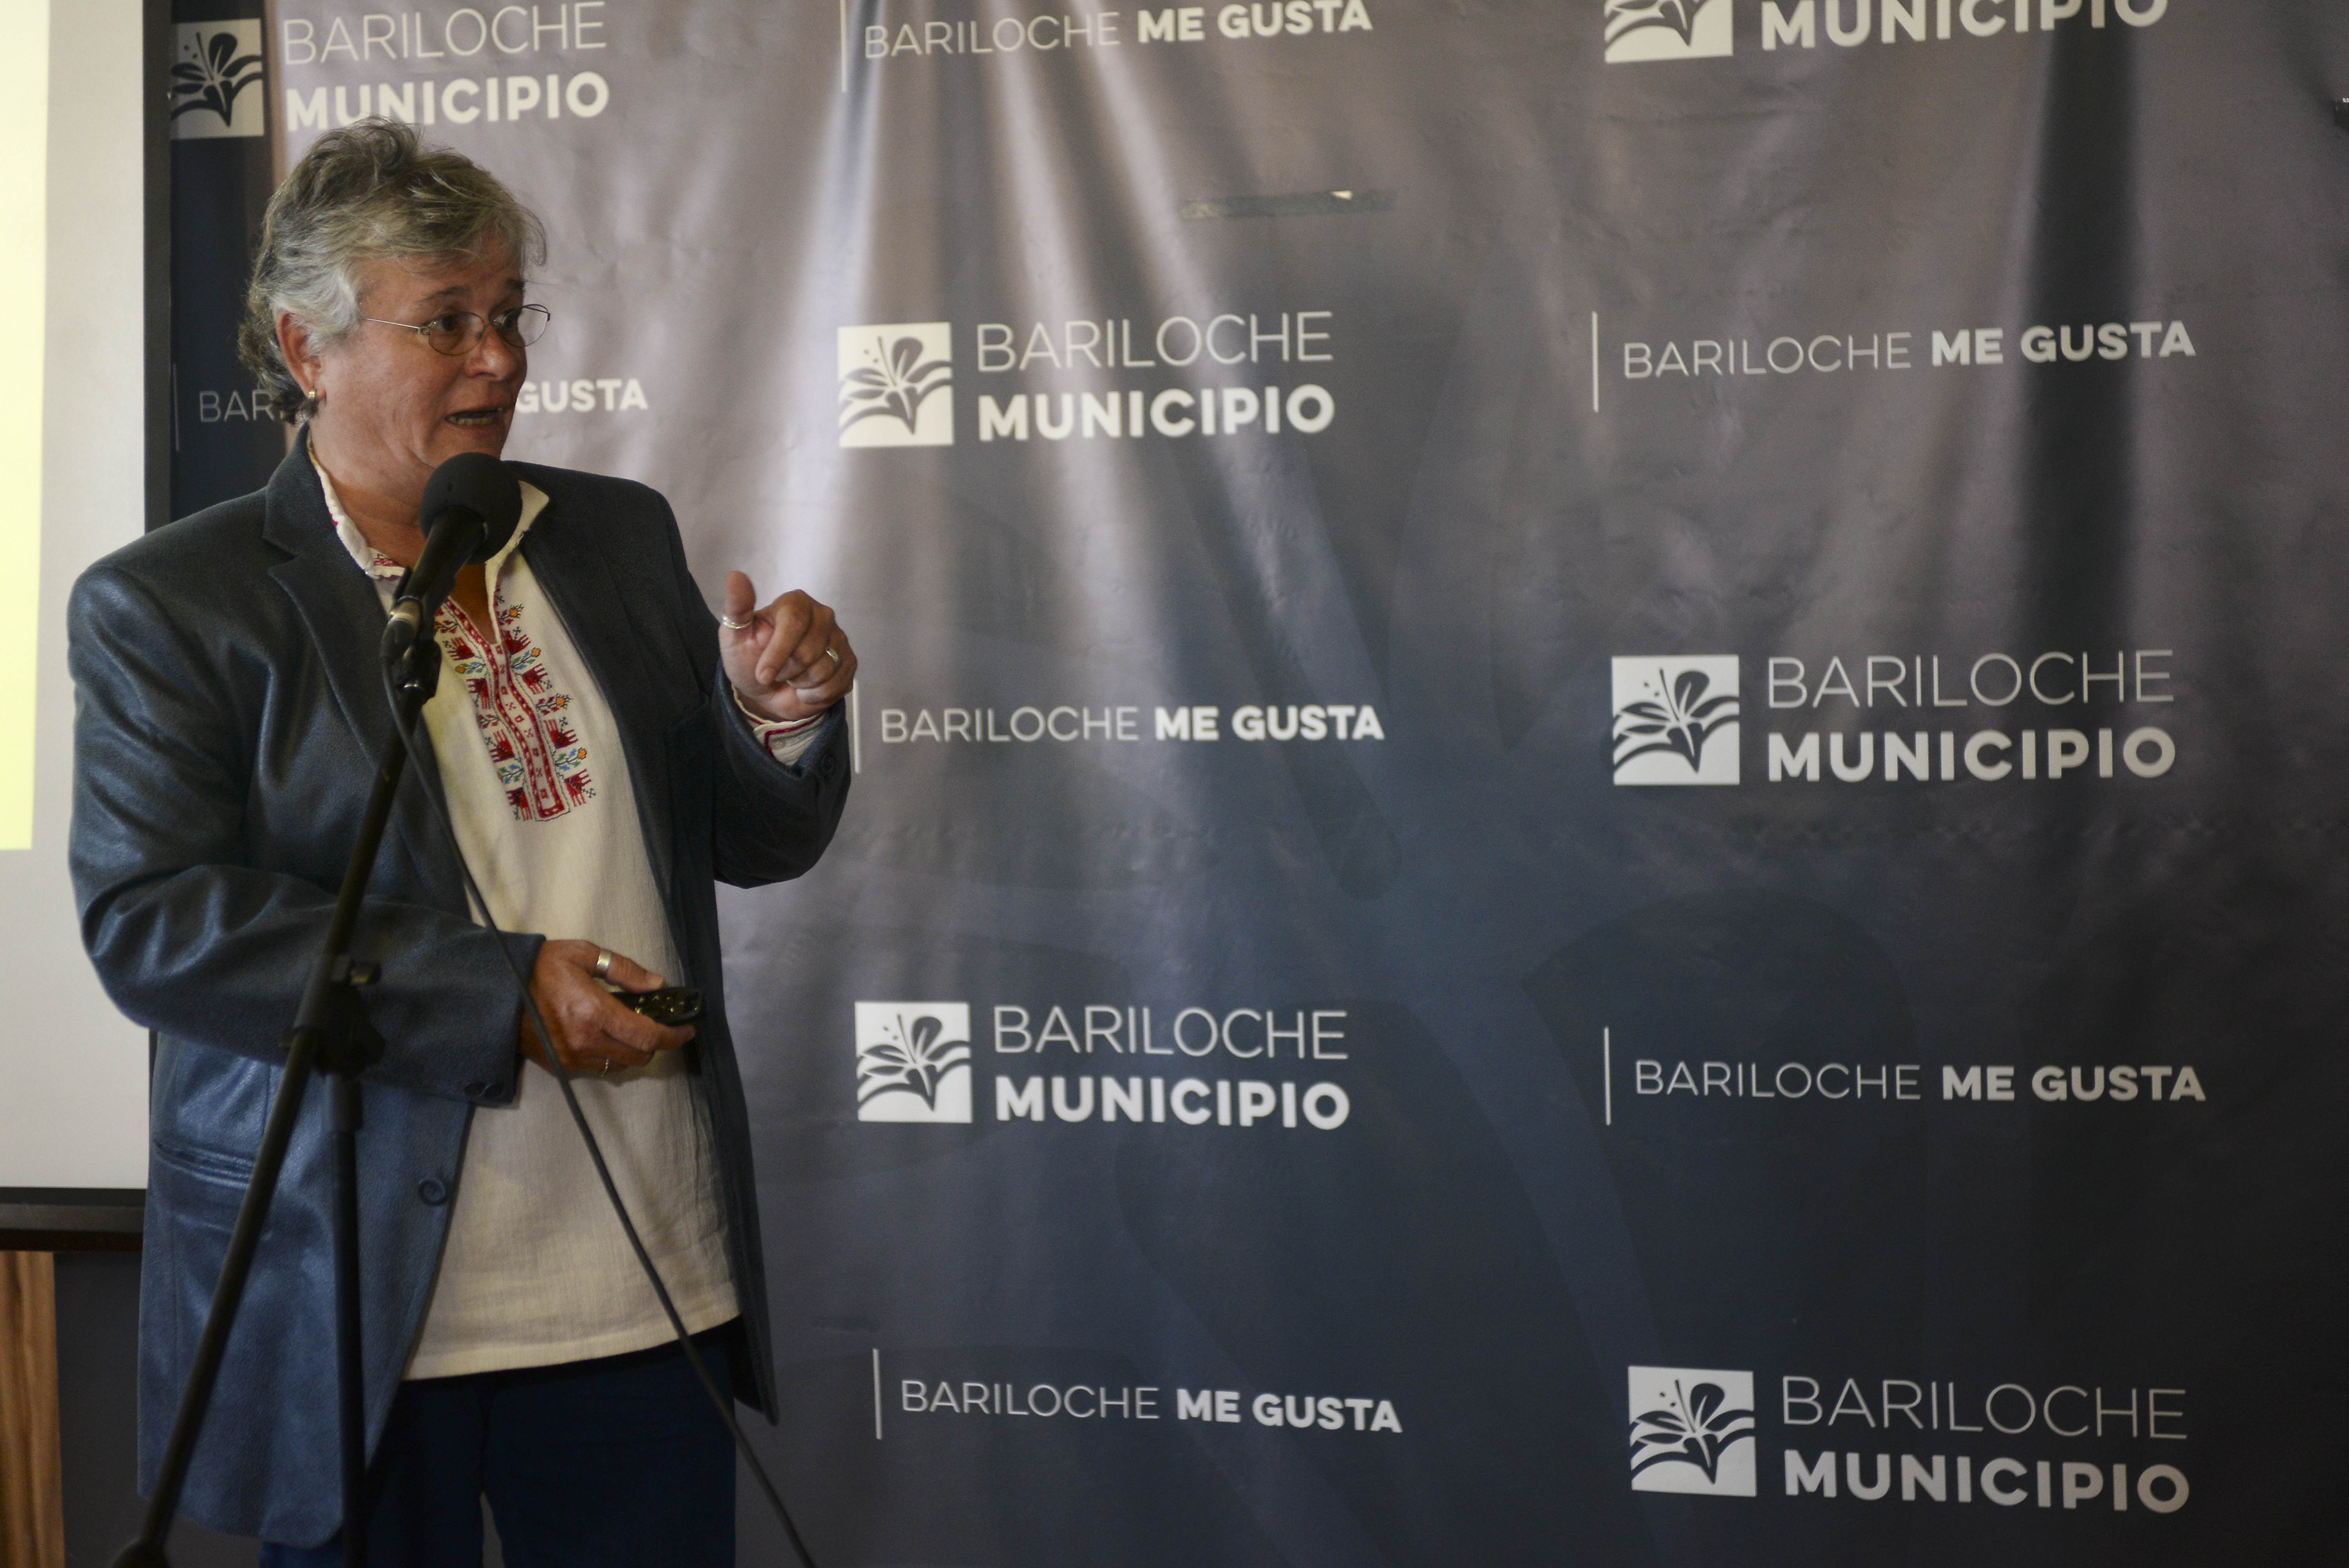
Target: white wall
[73,1072]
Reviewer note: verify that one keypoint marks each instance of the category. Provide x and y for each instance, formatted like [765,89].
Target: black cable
[725,1405]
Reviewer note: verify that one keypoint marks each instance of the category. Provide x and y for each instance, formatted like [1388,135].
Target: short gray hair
[370,190]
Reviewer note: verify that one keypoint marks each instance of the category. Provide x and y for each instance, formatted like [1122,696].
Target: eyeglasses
[459,331]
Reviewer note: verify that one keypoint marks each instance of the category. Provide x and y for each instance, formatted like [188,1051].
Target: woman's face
[391,410]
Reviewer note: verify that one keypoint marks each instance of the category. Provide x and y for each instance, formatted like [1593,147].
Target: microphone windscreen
[477,483]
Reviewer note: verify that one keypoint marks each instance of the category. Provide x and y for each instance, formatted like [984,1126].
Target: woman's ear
[293,343]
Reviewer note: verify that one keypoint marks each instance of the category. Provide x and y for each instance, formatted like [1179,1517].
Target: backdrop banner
[1591,823]
[223,445]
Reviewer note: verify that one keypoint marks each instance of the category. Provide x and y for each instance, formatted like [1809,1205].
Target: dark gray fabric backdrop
[1675,902]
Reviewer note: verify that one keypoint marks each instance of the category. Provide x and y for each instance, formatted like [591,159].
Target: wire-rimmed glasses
[455,332]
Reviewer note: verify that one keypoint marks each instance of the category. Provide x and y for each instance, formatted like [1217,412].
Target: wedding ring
[733,625]
[607,1067]
[833,654]
[603,964]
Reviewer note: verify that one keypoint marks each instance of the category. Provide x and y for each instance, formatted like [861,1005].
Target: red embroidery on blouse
[535,747]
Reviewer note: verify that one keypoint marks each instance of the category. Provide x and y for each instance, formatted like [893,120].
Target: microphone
[471,506]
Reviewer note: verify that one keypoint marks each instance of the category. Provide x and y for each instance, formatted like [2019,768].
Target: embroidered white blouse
[536,1270]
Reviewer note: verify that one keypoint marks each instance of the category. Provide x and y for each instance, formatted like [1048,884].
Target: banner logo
[1669,30]
[1676,720]
[510,38]
[1692,1432]
[912,1061]
[212,63]
[891,378]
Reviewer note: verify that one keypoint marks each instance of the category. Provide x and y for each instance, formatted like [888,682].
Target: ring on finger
[732,625]
[833,654]
[607,1067]
[603,964]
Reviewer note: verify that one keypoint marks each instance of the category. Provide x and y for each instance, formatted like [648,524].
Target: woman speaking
[607,750]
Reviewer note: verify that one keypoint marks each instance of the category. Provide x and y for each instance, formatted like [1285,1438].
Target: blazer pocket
[192,1197]
[203,1167]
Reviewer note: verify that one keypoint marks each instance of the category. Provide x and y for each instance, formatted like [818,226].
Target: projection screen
[72,487]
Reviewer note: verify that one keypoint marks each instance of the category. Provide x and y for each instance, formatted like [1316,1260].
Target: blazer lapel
[339,606]
[562,555]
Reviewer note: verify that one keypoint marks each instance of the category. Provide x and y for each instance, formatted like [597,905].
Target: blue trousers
[618,1462]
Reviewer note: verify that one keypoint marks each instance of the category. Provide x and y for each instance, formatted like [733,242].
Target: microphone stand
[330,1035]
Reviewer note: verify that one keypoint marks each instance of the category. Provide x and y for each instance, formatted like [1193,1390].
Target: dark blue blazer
[228,718]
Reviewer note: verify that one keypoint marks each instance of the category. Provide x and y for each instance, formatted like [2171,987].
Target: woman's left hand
[790,660]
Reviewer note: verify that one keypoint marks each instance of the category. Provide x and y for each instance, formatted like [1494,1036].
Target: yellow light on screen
[23,191]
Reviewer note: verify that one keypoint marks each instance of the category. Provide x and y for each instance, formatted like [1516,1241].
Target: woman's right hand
[592,1033]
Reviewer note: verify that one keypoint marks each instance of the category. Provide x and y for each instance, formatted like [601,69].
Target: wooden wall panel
[31,1490]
